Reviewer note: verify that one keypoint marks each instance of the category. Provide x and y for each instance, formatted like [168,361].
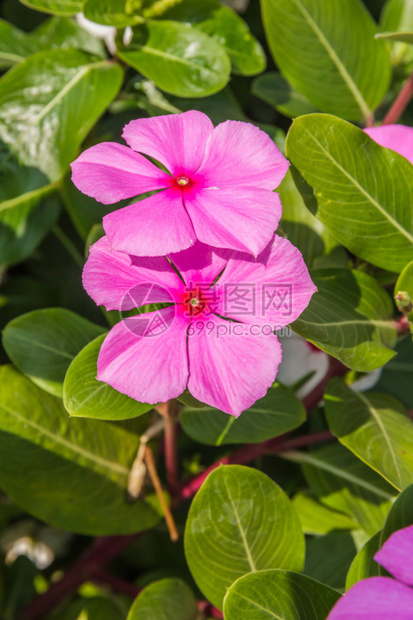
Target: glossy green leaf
[240,521]
[227,28]
[362,191]
[43,343]
[63,32]
[24,226]
[275,90]
[181,61]
[375,427]
[397,376]
[350,317]
[327,51]
[316,518]
[85,396]
[111,13]
[278,412]
[68,94]
[15,45]
[70,473]
[328,558]
[344,483]
[167,599]
[278,594]
[55,7]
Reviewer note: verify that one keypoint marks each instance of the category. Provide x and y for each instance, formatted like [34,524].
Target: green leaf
[69,91]
[301,227]
[328,558]
[24,226]
[403,293]
[375,427]
[274,89]
[227,28]
[327,51]
[363,565]
[62,32]
[15,45]
[43,343]
[396,22]
[55,7]
[316,518]
[167,599]
[181,61]
[344,483]
[237,523]
[111,13]
[404,37]
[85,396]
[278,595]
[350,318]
[278,412]
[84,211]
[399,517]
[70,473]
[396,376]
[363,192]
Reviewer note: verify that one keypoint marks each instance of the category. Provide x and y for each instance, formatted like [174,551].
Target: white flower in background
[105,33]
[40,543]
[301,358]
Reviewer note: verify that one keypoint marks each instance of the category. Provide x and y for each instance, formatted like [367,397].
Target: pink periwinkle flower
[398,138]
[216,336]
[383,598]
[218,188]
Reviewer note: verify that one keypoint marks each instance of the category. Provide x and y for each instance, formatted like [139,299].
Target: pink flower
[228,364]
[381,598]
[399,138]
[218,189]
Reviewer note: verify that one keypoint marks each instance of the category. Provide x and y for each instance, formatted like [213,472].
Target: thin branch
[401,103]
[169,412]
[170,522]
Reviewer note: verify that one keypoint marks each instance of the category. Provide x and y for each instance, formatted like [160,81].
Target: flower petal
[155,226]
[273,289]
[230,365]
[145,356]
[122,282]
[240,218]
[176,140]
[111,172]
[396,555]
[399,138]
[239,153]
[376,598]
[200,264]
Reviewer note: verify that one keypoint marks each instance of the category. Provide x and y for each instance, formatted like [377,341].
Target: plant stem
[69,245]
[400,103]
[168,411]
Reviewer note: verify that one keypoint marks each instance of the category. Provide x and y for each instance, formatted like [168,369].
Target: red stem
[401,102]
[169,412]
